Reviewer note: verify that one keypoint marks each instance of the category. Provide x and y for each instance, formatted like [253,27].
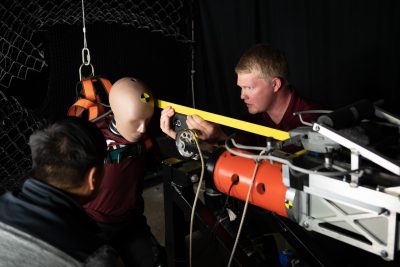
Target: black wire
[234,182]
[220,220]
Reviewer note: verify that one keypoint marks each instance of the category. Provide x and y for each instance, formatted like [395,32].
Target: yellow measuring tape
[226,121]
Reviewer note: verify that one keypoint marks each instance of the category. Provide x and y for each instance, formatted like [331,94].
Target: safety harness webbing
[90,100]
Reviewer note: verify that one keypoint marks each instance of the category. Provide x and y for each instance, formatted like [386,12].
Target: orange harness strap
[90,99]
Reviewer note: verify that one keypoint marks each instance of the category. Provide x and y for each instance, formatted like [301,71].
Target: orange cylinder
[268,189]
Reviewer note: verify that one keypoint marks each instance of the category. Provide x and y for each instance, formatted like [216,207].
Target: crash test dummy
[119,206]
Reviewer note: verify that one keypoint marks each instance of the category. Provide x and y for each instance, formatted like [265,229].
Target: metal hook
[85,56]
[80,71]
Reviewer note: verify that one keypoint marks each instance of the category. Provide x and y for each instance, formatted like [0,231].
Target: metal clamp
[85,56]
[80,71]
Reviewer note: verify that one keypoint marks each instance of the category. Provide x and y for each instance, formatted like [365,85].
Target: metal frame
[178,199]
[367,213]
[358,150]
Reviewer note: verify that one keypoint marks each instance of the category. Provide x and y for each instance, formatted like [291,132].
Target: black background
[338,52]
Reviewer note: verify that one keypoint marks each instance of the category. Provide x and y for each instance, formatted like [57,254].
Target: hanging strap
[90,103]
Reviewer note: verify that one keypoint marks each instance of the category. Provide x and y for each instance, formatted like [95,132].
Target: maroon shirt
[120,193]
[288,122]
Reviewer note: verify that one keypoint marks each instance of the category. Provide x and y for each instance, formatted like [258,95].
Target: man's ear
[90,178]
[276,84]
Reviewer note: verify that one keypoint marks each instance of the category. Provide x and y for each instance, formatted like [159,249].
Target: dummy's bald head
[133,105]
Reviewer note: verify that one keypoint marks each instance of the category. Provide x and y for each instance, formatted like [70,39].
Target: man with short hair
[67,169]
[263,77]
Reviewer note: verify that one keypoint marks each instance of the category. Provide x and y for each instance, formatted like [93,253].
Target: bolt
[194,178]
[306,224]
[178,123]
[384,254]
[380,188]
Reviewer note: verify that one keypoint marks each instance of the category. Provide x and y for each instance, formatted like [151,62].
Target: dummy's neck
[113,127]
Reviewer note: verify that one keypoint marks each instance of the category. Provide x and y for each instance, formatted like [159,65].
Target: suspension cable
[85,50]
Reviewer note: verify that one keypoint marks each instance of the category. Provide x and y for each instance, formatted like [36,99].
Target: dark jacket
[51,215]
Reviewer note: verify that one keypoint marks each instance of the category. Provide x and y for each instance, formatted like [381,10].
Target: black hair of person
[64,151]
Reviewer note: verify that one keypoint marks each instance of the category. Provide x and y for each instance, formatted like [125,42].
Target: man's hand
[207,131]
[165,121]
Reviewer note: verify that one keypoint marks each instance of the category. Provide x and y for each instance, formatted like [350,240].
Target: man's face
[257,93]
